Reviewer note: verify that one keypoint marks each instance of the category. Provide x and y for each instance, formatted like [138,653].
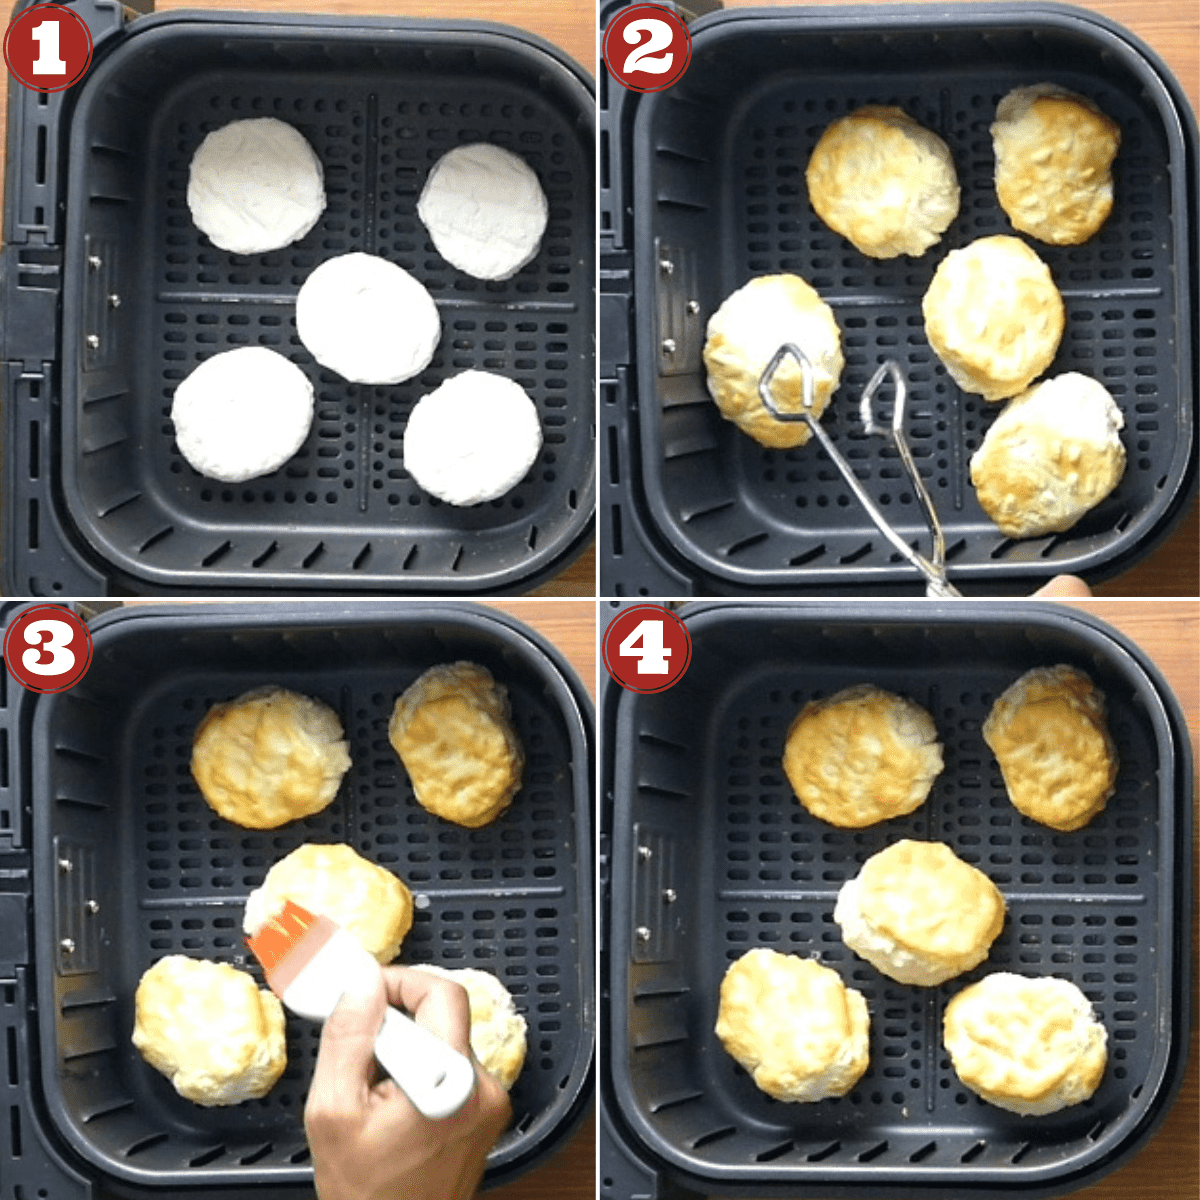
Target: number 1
[47,62]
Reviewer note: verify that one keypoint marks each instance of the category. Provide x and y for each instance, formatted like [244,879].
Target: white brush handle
[433,1075]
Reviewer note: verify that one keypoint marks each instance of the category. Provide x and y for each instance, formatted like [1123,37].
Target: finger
[436,1004]
[345,1066]
[1064,587]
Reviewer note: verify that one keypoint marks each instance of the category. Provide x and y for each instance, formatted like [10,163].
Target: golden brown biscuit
[743,336]
[861,756]
[498,1031]
[1054,154]
[994,316]
[210,1029]
[1052,455]
[454,734]
[1028,1045]
[1057,757]
[269,757]
[919,914]
[883,181]
[363,898]
[794,1025]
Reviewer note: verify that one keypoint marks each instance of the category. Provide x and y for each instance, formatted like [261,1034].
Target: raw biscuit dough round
[919,914]
[367,319]
[472,439]
[210,1030]
[994,316]
[861,756]
[743,336]
[363,898]
[1049,735]
[269,757]
[452,728]
[242,413]
[800,1032]
[1050,457]
[883,181]
[485,210]
[1054,155]
[1028,1045]
[255,185]
[498,1031]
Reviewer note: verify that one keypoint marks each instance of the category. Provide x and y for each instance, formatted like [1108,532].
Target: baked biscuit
[794,1025]
[497,1029]
[363,898]
[453,731]
[994,316]
[1028,1045]
[1054,154]
[210,1029]
[1052,455]
[861,756]
[884,182]
[269,757]
[1050,738]
[743,336]
[919,914]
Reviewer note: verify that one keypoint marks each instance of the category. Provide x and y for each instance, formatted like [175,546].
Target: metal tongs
[934,567]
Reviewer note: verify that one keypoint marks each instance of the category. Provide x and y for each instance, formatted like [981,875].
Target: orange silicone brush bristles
[281,935]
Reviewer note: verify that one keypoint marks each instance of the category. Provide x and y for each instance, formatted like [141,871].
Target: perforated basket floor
[720,197]
[170,877]
[379,104]
[712,855]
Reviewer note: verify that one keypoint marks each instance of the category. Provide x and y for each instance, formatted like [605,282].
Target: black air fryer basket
[703,188]
[112,297]
[710,855]
[126,863]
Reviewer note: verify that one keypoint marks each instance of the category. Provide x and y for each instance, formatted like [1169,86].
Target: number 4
[652,653]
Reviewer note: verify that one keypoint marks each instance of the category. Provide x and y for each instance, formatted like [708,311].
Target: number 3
[660,38]
[57,643]
[652,654]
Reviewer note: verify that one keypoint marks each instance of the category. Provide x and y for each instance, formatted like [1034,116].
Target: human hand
[368,1142]
[1064,587]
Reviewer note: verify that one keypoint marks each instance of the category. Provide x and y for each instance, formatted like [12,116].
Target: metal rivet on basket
[95,262]
[669,895]
[68,945]
[93,906]
[666,266]
[642,933]
[645,853]
[668,345]
[66,866]
[93,341]
[114,301]
[693,306]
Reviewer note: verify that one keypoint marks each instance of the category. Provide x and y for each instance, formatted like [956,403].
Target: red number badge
[646,648]
[47,48]
[647,48]
[47,649]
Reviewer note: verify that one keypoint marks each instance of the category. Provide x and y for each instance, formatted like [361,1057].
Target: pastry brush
[309,961]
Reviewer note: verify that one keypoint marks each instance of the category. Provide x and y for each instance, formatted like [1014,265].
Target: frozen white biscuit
[367,319]
[365,899]
[994,316]
[485,210]
[919,914]
[1052,455]
[883,181]
[242,413]
[210,1029]
[1028,1045]
[472,439]
[498,1031]
[794,1025]
[1054,154]
[1049,735]
[743,336]
[255,185]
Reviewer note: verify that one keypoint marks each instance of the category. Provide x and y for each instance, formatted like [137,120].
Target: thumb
[346,1057]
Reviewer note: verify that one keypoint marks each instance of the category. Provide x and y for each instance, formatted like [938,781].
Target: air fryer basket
[712,855]
[719,196]
[380,101]
[119,821]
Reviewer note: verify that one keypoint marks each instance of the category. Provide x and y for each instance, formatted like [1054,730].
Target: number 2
[57,643]
[47,62]
[660,38]
[652,654]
